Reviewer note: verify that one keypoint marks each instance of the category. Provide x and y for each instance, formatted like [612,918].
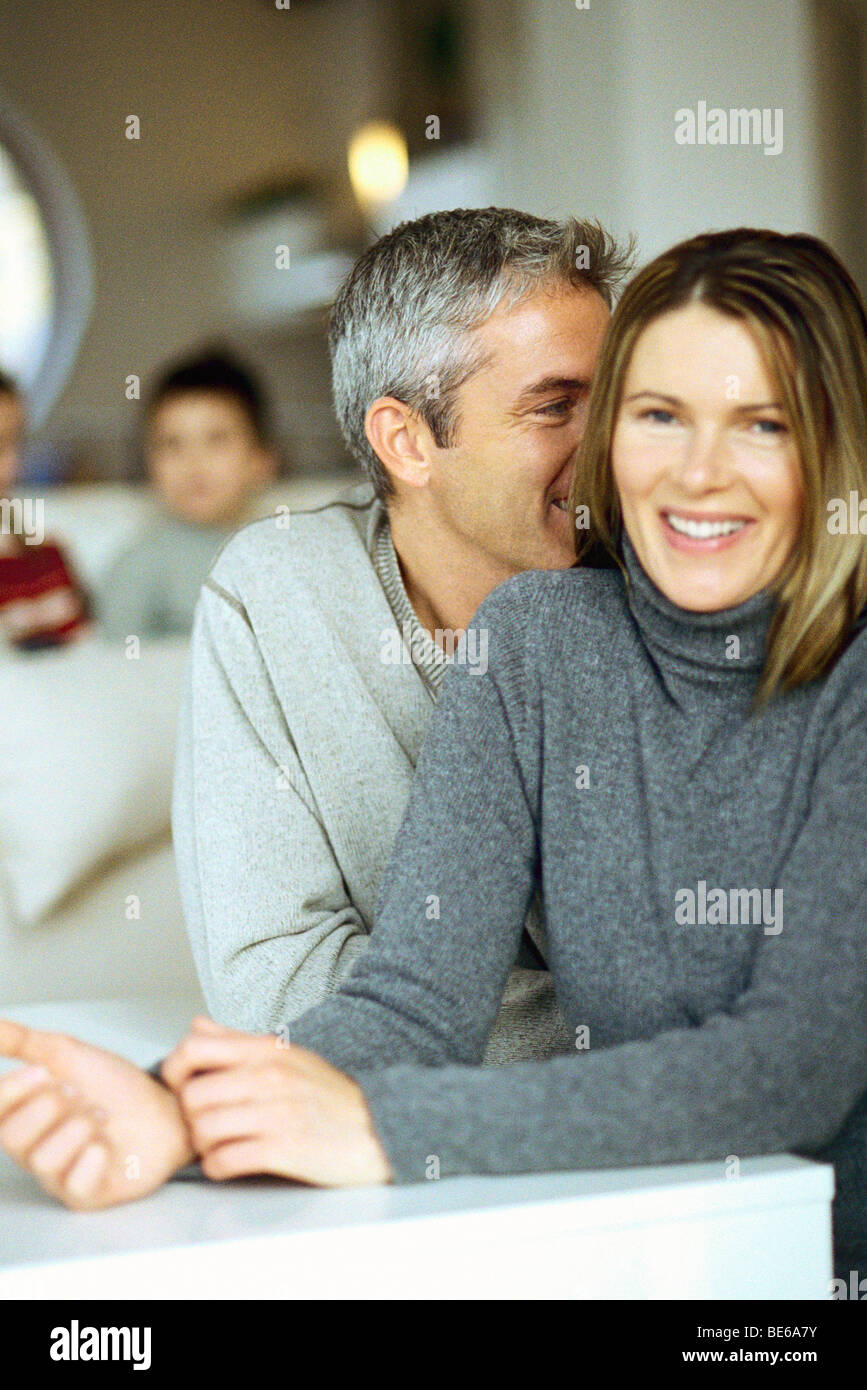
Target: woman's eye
[657,416]
[769,427]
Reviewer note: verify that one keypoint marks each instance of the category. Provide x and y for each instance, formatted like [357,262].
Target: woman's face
[704,462]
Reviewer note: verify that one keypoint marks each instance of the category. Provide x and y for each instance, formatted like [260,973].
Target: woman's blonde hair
[808,321]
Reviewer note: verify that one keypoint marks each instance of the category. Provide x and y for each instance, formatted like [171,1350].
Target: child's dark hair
[8,385]
[216,372]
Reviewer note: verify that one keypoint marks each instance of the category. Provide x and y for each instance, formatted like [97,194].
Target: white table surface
[683,1231]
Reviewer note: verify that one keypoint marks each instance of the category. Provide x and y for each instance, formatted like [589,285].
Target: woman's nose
[702,463]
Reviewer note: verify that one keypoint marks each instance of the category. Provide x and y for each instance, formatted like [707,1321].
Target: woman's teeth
[702,530]
[562,503]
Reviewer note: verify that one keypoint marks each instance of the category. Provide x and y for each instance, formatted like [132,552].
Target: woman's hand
[91,1127]
[256,1104]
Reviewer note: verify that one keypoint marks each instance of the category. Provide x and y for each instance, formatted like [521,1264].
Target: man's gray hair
[402,321]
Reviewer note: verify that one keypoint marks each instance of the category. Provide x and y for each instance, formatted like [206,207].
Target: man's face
[204,458]
[520,419]
[11,435]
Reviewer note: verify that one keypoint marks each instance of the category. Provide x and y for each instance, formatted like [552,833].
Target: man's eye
[561,407]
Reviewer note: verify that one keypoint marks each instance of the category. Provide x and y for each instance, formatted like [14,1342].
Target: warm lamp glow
[378,163]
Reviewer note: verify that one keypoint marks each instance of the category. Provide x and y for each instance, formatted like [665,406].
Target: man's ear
[401,441]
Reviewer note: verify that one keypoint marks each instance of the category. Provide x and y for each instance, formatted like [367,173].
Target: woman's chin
[700,590]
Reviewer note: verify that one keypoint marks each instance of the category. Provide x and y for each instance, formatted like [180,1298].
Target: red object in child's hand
[41,604]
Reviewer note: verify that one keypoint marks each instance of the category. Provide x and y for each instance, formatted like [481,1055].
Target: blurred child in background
[208,459]
[41,601]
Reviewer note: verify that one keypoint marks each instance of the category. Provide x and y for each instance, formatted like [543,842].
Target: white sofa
[89,902]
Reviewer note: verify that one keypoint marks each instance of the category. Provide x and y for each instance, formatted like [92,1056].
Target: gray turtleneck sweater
[702,871]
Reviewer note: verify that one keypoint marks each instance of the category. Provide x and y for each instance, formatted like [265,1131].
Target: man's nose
[579,419]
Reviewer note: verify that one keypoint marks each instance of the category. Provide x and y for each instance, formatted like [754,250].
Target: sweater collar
[429,658]
[728,644]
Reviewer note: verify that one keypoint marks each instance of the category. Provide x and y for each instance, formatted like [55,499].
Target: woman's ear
[401,441]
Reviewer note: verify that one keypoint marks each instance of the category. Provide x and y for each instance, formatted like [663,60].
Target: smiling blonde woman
[683,729]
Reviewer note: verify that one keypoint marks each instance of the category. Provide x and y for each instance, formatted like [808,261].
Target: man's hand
[91,1127]
[255,1104]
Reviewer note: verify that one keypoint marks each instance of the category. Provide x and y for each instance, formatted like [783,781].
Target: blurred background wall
[246,111]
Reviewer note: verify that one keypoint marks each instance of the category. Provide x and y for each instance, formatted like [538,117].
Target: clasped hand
[96,1130]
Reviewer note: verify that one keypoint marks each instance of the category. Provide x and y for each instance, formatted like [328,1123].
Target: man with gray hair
[463,347]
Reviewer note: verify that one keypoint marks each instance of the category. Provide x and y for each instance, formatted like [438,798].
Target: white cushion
[96,521]
[99,944]
[86,735]
[86,758]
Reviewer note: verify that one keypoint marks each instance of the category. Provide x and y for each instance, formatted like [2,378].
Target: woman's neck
[726,644]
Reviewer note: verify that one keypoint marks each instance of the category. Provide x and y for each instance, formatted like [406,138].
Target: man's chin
[550,556]
[557,548]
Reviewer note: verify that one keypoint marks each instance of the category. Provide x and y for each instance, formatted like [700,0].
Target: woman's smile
[699,533]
